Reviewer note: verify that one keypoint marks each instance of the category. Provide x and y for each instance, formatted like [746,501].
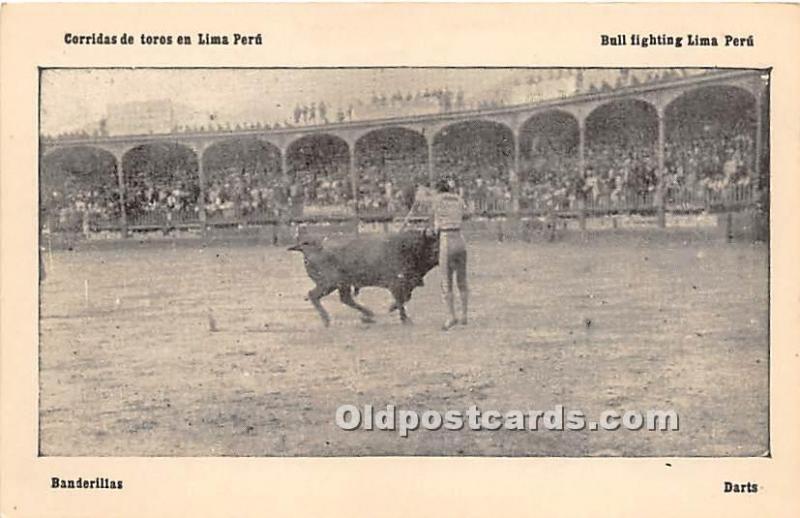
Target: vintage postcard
[293,257]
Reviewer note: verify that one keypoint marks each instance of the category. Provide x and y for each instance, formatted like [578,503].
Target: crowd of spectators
[568,81]
[618,174]
[547,84]
[483,181]
[708,162]
[389,187]
[606,80]
[550,180]
[623,174]
[235,192]
[620,170]
[78,206]
[445,99]
[148,198]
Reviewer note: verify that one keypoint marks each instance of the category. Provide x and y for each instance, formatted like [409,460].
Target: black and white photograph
[404,261]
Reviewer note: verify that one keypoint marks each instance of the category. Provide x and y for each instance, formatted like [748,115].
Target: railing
[676,200]
[735,196]
[81,222]
[489,207]
[710,199]
[164,219]
[622,202]
[591,204]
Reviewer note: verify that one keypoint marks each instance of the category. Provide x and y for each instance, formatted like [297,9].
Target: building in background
[140,117]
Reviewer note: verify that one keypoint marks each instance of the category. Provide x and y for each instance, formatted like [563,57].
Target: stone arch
[548,147]
[242,175]
[161,177]
[479,155]
[707,103]
[631,118]
[551,134]
[391,162]
[246,155]
[710,134]
[621,154]
[75,180]
[318,169]
[474,149]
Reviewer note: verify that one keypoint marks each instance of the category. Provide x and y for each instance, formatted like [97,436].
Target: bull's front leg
[403,316]
[401,295]
[314,296]
[402,291]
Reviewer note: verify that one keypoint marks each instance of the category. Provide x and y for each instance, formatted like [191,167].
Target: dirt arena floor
[637,321]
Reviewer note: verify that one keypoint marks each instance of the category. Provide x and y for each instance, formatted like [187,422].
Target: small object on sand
[587,322]
[212,323]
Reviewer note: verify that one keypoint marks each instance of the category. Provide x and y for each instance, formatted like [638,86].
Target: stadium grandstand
[565,143]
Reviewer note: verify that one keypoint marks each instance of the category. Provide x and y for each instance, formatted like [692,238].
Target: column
[123,215]
[514,177]
[283,214]
[759,139]
[283,209]
[660,192]
[201,178]
[355,181]
[284,168]
[513,182]
[582,170]
[581,148]
[431,168]
[760,186]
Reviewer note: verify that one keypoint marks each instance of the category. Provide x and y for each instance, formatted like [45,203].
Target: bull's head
[430,239]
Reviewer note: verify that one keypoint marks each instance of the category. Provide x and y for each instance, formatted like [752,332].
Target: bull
[397,262]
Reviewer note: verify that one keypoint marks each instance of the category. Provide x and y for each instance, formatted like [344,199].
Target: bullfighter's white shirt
[448,211]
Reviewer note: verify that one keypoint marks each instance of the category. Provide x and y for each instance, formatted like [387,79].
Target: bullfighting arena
[179,348]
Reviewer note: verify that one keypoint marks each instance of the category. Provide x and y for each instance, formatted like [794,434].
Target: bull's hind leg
[346,296]
[314,296]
